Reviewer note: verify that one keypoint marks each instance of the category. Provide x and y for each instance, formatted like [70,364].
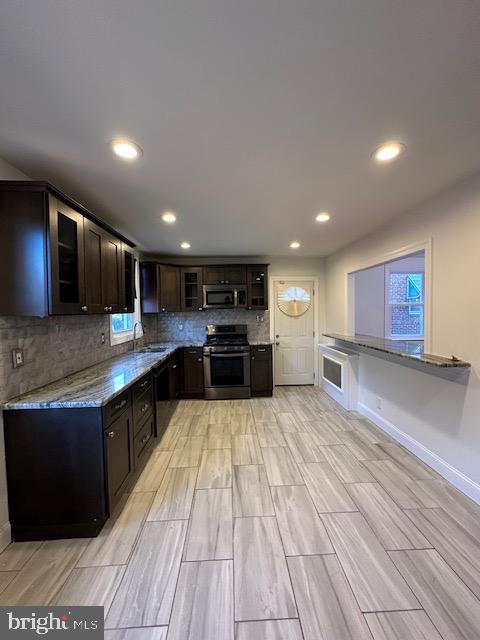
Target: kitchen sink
[154,348]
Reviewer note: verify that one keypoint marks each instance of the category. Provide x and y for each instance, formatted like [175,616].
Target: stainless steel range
[226,362]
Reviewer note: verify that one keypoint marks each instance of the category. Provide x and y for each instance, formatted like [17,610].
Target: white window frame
[389,269]
[358,265]
[120,337]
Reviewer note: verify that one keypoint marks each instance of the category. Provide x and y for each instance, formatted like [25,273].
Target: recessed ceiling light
[323,216]
[126,149]
[294,245]
[389,151]
[169,217]
[185,245]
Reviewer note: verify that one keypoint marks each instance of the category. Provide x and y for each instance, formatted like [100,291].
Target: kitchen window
[122,324]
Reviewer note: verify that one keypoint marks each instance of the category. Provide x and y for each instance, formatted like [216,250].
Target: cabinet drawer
[142,407]
[143,438]
[261,352]
[117,406]
[141,386]
[192,352]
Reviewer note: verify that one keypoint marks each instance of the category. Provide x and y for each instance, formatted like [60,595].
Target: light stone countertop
[408,349]
[95,386]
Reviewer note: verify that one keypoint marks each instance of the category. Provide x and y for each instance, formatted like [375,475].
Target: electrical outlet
[379,403]
[102,338]
[17,357]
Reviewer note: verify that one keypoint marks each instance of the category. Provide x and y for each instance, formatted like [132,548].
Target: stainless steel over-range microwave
[221,296]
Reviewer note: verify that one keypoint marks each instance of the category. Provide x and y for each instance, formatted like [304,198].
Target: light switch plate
[17,358]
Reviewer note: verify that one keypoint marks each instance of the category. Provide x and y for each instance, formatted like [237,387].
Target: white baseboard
[445,469]
[5,535]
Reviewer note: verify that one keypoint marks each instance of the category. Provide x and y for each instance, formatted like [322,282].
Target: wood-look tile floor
[271,519]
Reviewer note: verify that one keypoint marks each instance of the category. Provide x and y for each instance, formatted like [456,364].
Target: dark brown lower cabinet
[193,372]
[119,455]
[261,370]
[166,392]
[68,468]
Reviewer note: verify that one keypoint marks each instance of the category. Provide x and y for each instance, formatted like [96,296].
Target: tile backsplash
[53,348]
[57,346]
[191,326]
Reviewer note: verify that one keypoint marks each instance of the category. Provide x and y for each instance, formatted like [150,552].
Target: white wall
[442,415]
[7,172]
[369,301]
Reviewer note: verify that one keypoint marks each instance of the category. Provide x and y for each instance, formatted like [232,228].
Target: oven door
[227,369]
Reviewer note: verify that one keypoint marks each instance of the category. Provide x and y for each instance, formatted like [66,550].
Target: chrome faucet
[135,339]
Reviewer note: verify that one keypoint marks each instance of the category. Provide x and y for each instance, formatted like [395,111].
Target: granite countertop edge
[384,346]
[95,386]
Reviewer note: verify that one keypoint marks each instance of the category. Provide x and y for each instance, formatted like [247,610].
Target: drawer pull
[120,405]
[146,438]
[111,434]
[145,407]
[144,384]
[259,350]
[194,352]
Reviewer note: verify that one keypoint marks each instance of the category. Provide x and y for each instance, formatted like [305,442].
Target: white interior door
[293,318]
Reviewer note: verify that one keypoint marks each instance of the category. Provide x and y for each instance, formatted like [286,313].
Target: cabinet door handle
[111,434]
[84,308]
[253,357]
[200,359]
[163,309]
[120,404]
[174,366]
[227,281]
[194,352]
[145,407]
[105,308]
[146,438]
[261,350]
[125,308]
[144,384]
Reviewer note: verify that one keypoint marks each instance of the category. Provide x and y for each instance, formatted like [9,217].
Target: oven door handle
[227,355]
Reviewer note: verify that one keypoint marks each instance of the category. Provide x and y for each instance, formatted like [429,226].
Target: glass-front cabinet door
[192,292]
[67,277]
[257,281]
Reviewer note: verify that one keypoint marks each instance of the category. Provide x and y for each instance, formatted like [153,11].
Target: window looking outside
[405,305]
[389,299]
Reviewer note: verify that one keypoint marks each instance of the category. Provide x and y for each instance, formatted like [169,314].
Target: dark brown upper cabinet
[111,273]
[257,286]
[128,279]
[56,257]
[67,265]
[224,274]
[93,235]
[160,287]
[191,288]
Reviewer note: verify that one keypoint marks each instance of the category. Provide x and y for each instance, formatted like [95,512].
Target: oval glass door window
[293,301]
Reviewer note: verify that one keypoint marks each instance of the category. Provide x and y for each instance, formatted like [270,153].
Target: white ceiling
[253,115]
